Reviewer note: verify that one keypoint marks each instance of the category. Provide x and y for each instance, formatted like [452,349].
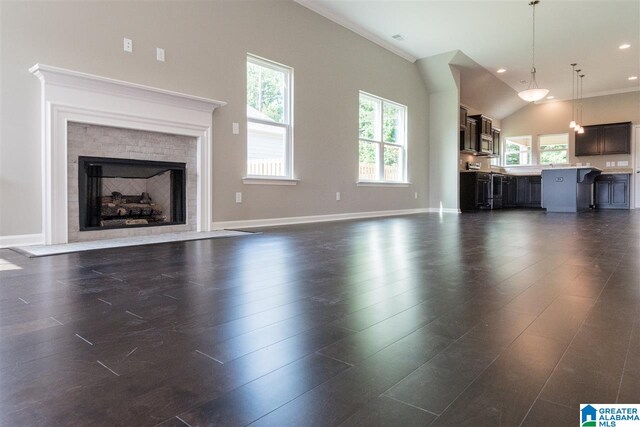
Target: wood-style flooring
[504,318]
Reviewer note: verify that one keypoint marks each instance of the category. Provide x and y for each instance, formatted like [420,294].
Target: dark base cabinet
[522,192]
[611,191]
[475,191]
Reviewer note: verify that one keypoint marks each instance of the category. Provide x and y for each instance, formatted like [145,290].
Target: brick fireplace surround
[71,99]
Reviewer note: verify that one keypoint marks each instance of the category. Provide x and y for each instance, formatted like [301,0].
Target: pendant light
[577,79]
[533,92]
[572,125]
[581,130]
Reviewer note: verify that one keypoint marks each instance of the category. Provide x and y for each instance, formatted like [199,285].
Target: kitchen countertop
[572,167]
[604,170]
[614,171]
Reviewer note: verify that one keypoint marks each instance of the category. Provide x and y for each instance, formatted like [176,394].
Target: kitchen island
[568,189]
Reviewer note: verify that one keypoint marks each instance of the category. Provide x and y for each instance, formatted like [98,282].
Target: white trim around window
[382,142]
[532,152]
[269,120]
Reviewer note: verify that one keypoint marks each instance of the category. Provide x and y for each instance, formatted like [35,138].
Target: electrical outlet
[235,128]
[238,197]
[608,164]
[337,196]
[415,195]
[128,45]
[160,54]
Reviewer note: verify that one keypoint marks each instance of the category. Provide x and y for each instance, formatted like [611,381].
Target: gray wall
[206,45]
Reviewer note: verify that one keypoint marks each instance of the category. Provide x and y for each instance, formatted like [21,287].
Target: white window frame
[287,114]
[504,151]
[540,150]
[382,144]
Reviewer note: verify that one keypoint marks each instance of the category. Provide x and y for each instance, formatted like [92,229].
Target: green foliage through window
[266,91]
[382,139]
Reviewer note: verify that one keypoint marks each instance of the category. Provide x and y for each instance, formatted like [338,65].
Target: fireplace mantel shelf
[76,79]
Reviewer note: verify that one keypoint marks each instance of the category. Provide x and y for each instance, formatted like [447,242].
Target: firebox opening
[124,193]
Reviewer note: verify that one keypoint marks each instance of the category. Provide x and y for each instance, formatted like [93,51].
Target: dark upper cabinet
[611,191]
[604,139]
[468,136]
[463,118]
[496,141]
[484,139]
[587,143]
[616,139]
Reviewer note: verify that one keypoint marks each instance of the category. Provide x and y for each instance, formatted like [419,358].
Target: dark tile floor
[498,318]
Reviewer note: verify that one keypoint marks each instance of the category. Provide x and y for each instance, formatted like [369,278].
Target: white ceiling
[497,34]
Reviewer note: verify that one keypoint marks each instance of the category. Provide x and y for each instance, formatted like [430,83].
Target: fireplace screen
[122,193]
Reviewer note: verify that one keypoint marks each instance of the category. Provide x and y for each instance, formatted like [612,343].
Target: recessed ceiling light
[633,78]
[550,97]
[501,70]
[397,37]
[624,46]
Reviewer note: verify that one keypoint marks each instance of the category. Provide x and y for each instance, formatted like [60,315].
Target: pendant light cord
[534,83]
[533,39]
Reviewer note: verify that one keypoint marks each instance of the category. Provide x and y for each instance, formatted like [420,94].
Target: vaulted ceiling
[497,34]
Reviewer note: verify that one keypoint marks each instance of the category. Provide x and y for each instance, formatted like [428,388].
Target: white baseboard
[21,240]
[444,210]
[269,222]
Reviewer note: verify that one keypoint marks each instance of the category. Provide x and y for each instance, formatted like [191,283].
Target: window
[383,140]
[269,119]
[517,150]
[554,148]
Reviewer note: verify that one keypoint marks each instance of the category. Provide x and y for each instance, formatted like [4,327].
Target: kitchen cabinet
[468,136]
[535,192]
[522,192]
[475,191]
[484,137]
[509,192]
[463,117]
[495,133]
[611,191]
[614,138]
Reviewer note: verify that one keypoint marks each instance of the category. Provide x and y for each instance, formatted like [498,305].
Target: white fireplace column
[71,96]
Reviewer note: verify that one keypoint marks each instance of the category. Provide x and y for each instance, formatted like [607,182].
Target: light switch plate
[160,54]
[238,197]
[623,163]
[337,196]
[235,128]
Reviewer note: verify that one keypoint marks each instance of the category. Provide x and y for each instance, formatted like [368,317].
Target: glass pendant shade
[572,125]
[581,130]
[532,95]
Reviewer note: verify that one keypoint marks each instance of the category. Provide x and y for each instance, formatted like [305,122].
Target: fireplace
[96,116]
[126,193]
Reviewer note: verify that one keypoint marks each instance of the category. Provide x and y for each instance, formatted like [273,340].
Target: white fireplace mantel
[71,96]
